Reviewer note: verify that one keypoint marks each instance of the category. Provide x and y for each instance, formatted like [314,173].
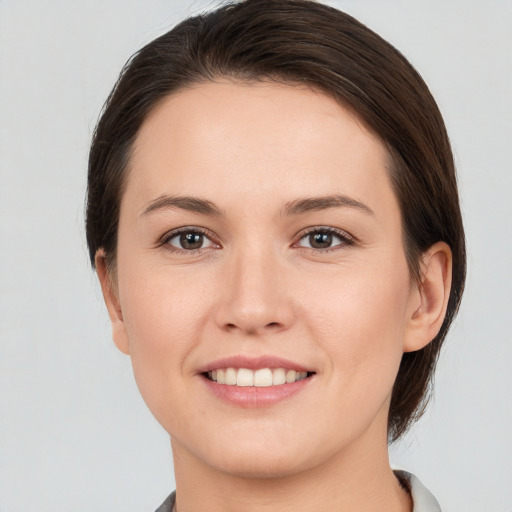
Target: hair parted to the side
[308,43]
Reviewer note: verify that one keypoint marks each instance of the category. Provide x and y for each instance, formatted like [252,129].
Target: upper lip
[253,363]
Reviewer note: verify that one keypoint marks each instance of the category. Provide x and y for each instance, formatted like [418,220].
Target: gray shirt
[421,497]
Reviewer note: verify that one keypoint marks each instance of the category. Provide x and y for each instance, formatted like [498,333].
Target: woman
[273,215]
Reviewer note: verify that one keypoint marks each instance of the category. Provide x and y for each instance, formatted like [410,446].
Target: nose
[255,298]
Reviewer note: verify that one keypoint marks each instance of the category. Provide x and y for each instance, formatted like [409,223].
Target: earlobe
[111,298]
[431,293]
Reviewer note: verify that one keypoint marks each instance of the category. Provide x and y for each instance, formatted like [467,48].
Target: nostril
[229,327]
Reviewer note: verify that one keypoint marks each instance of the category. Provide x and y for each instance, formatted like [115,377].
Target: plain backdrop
[74,433]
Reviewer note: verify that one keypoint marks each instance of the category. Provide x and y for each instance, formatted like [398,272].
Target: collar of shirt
[422,499]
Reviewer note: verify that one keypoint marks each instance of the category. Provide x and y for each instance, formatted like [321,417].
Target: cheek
[164,318]
[360,324]
[163,307]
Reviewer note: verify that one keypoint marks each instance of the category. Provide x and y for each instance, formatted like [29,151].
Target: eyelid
[164,239]
[347,239]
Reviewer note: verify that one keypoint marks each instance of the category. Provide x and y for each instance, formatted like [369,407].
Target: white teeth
[245,377]
[278,377]
[230,377]
[290,376]
[263,377]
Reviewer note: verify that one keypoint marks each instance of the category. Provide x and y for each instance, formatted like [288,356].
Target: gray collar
[423,500]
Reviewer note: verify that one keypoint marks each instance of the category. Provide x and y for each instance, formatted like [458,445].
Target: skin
[347,311]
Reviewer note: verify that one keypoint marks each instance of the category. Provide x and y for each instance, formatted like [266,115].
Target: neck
[357,480]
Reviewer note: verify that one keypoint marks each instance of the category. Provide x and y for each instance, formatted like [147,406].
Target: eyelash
[165,241]
[346,240]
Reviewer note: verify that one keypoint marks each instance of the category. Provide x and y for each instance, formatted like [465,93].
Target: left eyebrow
[310,204]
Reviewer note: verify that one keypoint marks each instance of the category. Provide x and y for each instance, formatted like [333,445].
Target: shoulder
[168,504]
[422,498]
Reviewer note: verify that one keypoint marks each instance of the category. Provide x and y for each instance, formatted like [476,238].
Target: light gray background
[74,433]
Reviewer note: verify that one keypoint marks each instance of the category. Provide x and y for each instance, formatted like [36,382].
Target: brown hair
[299,42]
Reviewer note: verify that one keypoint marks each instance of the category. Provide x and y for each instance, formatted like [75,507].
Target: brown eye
[189,241]
[320,240]
[325,239]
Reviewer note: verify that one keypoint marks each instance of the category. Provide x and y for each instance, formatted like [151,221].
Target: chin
[259,457]
[260,467]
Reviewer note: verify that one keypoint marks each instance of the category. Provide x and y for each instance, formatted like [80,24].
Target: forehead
[231,138]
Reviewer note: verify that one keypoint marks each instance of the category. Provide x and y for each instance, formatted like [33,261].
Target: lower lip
[252,396]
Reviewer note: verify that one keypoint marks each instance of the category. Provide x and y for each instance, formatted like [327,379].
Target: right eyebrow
[189,203]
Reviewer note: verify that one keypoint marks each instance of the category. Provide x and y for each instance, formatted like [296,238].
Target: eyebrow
[191,204]
[296,207]
[310,204]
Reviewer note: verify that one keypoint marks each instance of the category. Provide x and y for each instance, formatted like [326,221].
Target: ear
[429,298]
[110,295]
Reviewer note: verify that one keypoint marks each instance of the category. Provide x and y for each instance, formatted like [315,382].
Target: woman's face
[259,238]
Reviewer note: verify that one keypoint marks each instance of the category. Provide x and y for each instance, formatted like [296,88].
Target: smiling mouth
[263,377]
